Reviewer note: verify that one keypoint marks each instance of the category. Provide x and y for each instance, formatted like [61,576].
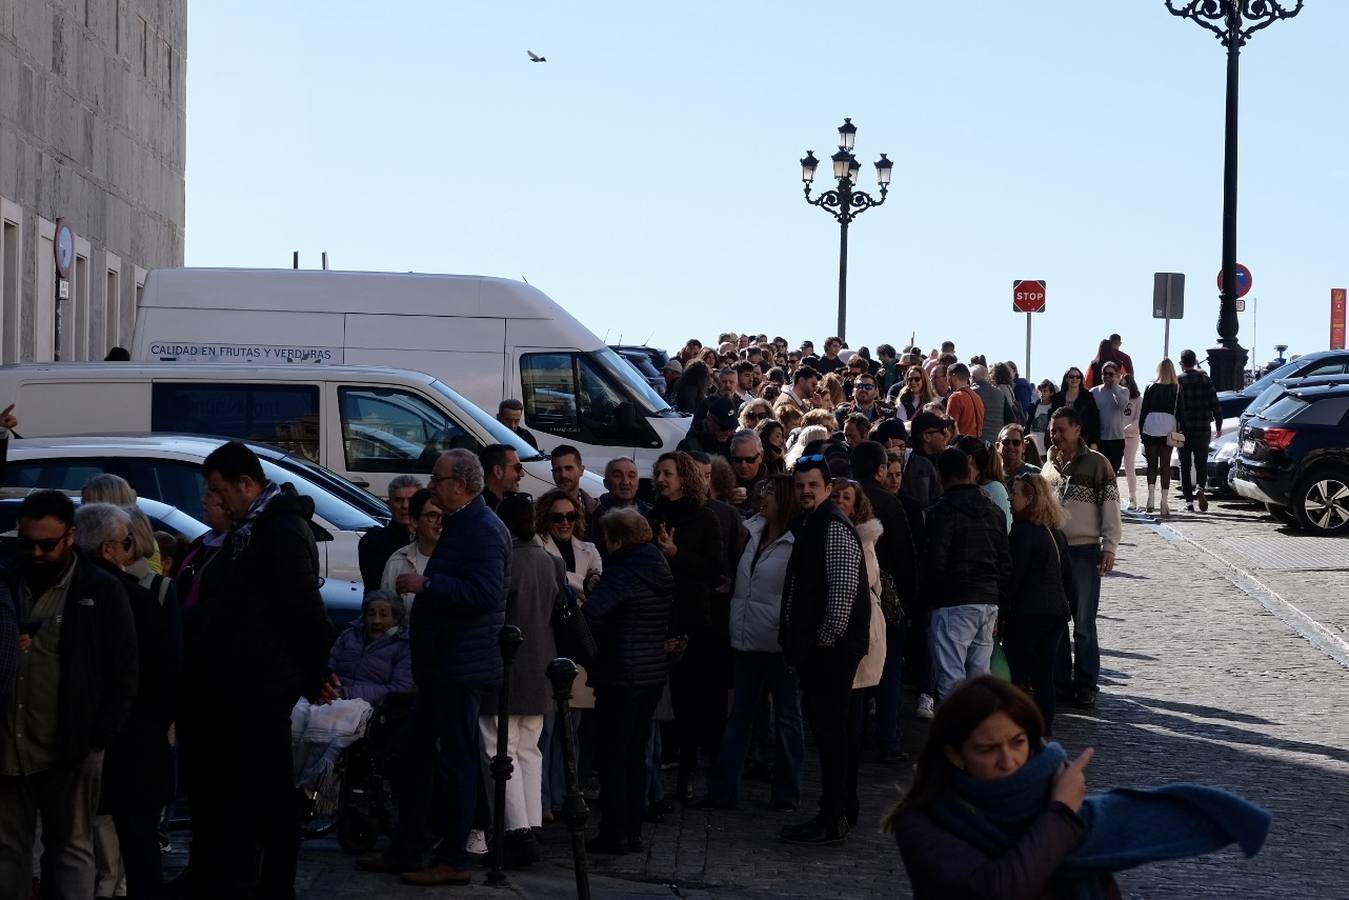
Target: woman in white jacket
[759,665]
[561,527]
[852,502]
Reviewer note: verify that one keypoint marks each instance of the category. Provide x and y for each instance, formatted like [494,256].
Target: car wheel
[1283,515]
[1321,502]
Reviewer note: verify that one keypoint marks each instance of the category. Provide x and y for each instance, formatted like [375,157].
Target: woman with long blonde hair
[1160,413]
[1041,592]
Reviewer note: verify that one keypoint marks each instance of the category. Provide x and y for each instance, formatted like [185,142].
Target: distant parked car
[648,361]
[1294,458]
[1322,362]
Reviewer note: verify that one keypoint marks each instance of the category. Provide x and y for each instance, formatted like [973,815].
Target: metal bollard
[510,639]
[562,672]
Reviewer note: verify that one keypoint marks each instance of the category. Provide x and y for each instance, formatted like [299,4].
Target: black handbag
[890,607]
[571,631]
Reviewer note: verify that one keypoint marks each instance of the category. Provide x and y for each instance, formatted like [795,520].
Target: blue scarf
[1125,827]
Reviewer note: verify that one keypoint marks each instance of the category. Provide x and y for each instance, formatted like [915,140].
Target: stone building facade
[93,104]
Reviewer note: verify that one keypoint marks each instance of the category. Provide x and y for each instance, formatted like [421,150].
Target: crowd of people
[829,533]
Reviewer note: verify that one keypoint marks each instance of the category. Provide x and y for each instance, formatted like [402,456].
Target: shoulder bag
[1176,438]
[571,631]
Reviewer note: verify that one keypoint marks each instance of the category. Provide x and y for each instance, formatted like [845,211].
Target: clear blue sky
[646,176]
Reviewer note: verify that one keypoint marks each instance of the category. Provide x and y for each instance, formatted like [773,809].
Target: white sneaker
[926,708]
[477,843]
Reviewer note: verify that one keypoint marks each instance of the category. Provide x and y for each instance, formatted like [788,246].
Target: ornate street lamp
[845,203]
[1233,22]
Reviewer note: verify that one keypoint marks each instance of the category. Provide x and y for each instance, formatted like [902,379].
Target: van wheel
[1321,502]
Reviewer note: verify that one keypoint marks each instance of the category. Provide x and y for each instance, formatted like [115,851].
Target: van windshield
[498,432]
[624,375]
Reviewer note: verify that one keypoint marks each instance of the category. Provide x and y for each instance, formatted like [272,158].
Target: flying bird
[534,57]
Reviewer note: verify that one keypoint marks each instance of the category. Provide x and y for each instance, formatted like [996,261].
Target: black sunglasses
[46,545]
[745,460]
[559,518]
[864,386]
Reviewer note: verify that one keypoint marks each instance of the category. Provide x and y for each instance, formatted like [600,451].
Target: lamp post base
[1227,367]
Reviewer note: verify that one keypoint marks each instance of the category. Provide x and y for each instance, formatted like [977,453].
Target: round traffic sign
[1243,280]
[64,248]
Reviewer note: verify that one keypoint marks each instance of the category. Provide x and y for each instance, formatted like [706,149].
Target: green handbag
[998,667]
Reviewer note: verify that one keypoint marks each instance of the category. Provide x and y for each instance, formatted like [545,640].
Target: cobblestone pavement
[1201,682]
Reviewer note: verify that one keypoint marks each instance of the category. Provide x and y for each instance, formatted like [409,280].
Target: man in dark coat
[263,642]
[455,623]
[77,677]
[138,765]
[378,544]
[826,616]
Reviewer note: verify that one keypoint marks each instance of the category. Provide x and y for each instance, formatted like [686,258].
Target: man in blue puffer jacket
[455,623]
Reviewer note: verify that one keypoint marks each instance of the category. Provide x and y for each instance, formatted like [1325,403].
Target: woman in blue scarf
[996,813]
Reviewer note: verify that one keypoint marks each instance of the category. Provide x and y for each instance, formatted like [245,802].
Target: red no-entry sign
[1028,295]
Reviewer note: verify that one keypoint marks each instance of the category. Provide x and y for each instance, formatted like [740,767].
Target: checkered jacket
[1198,404]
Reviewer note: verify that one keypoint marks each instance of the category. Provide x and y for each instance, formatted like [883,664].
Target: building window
[112,293]
[44,292]
[11,276]
[129,316]
[75,311]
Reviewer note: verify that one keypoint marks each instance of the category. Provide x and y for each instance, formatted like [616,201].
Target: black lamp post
[845,203]
[1233,22]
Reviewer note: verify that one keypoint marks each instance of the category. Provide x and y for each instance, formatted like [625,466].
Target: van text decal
[227,353]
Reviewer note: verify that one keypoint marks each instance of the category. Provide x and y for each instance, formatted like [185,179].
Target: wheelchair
[364,780]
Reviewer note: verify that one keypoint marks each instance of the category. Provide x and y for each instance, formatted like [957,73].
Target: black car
[1322,362]
[1223,452]
[1294,458]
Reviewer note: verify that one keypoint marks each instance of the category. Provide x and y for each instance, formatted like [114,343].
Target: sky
[646,176]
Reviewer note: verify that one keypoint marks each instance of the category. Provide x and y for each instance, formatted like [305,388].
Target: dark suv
[1294,458]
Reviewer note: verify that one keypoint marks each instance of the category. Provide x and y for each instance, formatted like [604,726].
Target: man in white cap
[672,369]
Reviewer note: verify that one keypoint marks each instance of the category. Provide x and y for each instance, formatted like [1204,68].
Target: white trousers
[524,790]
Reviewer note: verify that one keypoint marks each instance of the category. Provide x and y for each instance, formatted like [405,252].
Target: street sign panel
[1241,305]
[1028,295]
[1243,280]
[1168,295]
[1337,303]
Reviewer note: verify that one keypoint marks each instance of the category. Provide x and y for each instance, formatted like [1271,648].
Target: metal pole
[510,640]
[1229,359]
[843,268]
[1028,317]
[295,259]
[1166,340]
[562,672]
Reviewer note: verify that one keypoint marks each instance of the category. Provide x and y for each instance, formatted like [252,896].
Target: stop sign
[1028,295]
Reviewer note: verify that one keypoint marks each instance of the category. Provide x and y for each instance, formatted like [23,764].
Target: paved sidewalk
[1201,683]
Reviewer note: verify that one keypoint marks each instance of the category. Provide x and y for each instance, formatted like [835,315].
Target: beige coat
[587,559]
[870,668]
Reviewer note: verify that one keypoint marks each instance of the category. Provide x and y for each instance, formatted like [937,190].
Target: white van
[367,423]
[491,338]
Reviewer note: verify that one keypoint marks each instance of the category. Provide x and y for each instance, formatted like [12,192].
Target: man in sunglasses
[77,679]
[502,471]
[865,401]
[718,424]
[826,617]
[1012,445]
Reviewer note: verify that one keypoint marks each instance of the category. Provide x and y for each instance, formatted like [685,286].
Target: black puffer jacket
[264,631]
[1042,575]
[698,566]
[629,613]
[967,558]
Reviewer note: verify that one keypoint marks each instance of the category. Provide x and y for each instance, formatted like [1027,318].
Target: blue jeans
[1082,671]
[444,728]
[890,692]
[962,643]
[756,673]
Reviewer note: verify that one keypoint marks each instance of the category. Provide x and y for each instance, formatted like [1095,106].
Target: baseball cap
[724,412]
[887,429]
[673,365]
[926,421]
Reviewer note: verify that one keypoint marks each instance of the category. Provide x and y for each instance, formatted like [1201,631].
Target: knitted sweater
[1085,485]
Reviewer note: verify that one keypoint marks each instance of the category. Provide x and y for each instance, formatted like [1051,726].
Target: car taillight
[1279,438]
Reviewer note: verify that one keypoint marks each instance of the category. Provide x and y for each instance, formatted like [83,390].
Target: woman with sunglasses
[412,558]
[755,411]
[912,394]
[1072,392]
[688,534]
